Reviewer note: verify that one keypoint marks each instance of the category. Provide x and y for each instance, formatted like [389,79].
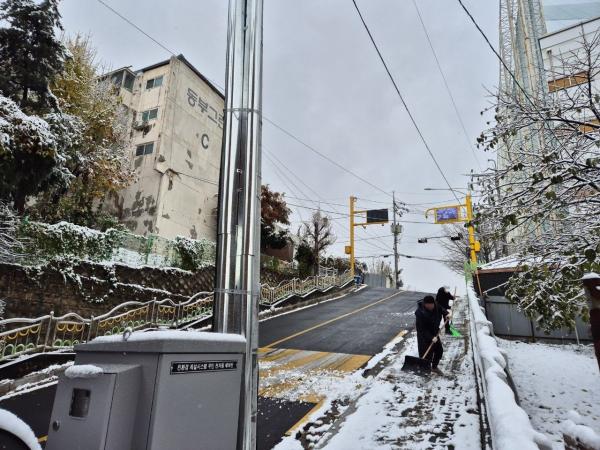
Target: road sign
[447,214]
[377,215]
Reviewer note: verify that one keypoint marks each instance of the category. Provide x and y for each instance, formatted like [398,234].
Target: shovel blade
[417,365]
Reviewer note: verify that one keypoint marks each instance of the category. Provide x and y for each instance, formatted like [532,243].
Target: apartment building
[176,120]
[564,61]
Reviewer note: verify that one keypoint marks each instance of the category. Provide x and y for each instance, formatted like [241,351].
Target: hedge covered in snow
[44,243]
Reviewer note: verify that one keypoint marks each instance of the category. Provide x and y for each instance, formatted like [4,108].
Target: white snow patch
[554,380]
[178,335]
[576,427]
[590,276]
[10,422]
[83,371]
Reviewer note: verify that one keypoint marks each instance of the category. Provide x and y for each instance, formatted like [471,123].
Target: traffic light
[422,240]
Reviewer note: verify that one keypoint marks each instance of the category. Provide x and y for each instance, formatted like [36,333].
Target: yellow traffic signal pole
[472,242]
[350,248]
[352,200]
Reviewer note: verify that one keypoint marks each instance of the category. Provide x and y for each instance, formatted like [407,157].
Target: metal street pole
[352,200]
[237,286]
[395,232]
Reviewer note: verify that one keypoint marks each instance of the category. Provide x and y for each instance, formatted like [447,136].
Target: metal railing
[50,332]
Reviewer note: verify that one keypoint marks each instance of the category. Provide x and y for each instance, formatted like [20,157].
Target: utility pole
[395,232]
[237,286]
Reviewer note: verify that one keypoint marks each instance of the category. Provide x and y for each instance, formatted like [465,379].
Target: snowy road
[315,347]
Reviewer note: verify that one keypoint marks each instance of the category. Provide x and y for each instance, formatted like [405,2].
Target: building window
[150,114]
[144,149]
[129,79]
[117,78]
[154,82]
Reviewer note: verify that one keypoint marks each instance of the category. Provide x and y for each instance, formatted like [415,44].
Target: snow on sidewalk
[405,410]
[553,380]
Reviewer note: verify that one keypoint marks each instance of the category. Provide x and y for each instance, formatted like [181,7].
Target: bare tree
[318,235]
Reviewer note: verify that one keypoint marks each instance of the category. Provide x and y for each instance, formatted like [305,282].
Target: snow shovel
[421,365]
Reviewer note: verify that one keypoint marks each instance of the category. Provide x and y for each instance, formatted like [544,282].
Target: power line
[327,158]
[318,195]
[414,122]
[164,47]
[439,66]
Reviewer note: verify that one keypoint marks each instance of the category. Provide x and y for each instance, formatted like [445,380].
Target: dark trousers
[434,355]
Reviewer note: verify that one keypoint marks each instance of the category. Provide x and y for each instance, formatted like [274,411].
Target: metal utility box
[158,390]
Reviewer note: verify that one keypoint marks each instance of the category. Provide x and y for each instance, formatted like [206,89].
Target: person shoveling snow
[428,317]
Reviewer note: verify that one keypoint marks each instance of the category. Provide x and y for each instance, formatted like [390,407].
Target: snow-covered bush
[194,253]
[66,240]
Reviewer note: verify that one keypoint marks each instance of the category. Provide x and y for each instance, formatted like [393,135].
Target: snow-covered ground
[402,410]
[553,380]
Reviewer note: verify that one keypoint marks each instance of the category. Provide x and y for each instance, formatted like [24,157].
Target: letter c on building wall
[205,141]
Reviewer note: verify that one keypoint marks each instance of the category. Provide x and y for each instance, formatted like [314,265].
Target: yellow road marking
[305,417]
[304,360]
[278,354]
[349,364]
[42,439]
[327,322]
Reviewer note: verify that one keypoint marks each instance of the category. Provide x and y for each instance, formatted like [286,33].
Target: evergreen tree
[30,53]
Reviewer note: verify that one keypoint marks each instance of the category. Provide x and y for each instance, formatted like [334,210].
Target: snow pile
[11,423]
[576,428]
[83,371]
[510,425]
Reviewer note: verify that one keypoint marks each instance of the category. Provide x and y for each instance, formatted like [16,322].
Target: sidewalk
[400,410]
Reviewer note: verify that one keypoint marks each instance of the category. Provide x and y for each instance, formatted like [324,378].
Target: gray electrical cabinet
[157,390]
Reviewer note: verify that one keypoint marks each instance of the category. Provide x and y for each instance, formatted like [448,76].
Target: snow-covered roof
[507,262]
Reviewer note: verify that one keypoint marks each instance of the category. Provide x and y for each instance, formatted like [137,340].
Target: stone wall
[92,289]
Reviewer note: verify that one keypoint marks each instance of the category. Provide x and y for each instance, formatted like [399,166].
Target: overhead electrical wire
[160,44]
[408,111]
[327,158]
[446,85]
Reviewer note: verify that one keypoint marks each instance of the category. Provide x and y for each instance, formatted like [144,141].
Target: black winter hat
[428,299]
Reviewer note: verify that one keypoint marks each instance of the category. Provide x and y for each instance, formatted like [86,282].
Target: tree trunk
[19,202]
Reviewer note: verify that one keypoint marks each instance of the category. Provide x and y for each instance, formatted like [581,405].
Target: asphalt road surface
[359,324]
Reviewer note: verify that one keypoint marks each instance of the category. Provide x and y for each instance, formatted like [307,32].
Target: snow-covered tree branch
[545,192]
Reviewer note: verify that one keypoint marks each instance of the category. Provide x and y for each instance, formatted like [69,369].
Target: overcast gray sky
[324,83]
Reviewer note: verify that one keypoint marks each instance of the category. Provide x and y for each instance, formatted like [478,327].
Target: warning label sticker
[181,367]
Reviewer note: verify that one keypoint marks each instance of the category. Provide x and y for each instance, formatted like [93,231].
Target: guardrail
[49,333]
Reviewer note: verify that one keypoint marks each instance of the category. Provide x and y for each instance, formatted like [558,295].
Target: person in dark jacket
[443,298]
[428,317]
